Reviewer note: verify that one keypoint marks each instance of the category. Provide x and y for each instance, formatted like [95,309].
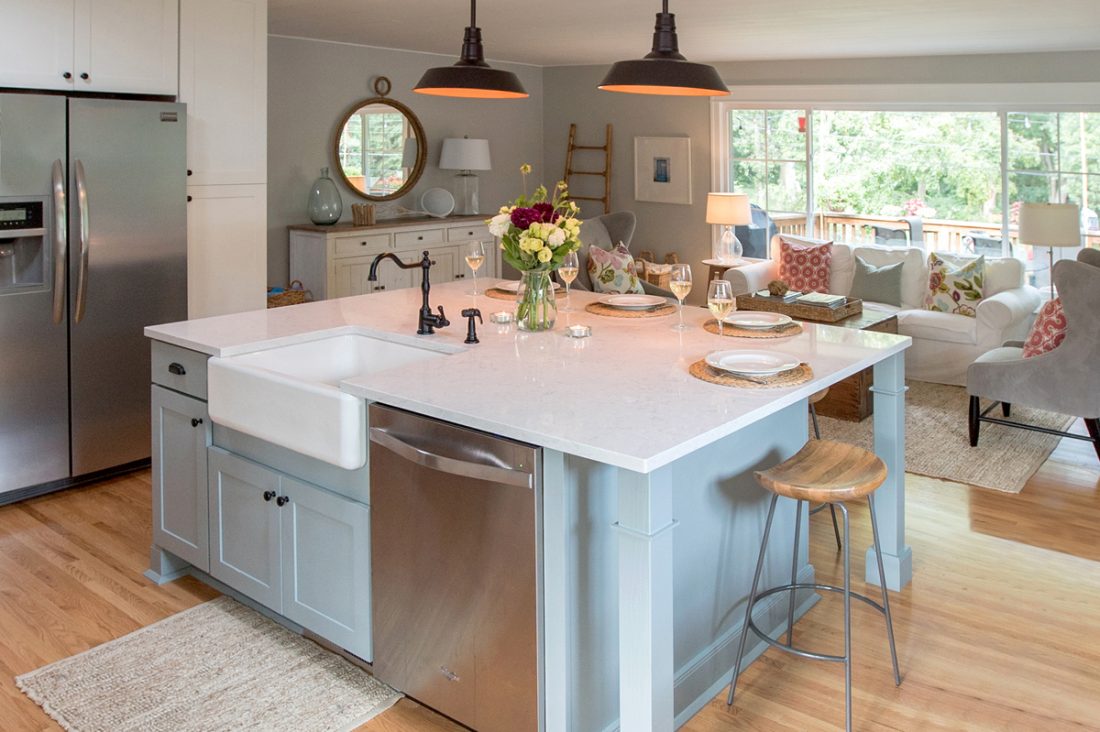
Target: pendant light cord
[473,13]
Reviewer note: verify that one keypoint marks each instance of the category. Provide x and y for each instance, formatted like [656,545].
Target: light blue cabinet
[293,547]
[181,435]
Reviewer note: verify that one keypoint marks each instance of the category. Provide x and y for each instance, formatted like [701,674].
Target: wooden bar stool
[821,472]
[814,399]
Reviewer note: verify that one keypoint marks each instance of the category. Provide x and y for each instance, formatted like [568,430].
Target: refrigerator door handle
[82,213]
[60,242]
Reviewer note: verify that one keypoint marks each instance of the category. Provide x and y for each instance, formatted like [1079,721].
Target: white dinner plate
[513,285]
[753,363]
[633,302]
[437,202]
[758,319]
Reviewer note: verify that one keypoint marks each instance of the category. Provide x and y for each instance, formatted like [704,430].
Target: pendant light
[470,77]
[664,70]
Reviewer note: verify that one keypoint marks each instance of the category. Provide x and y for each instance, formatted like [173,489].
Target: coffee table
[850,399]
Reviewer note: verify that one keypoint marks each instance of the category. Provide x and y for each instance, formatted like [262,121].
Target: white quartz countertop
[622,396]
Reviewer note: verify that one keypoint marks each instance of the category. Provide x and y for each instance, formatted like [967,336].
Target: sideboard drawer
[353,246]
[419,238]
[179,368]
[470,232]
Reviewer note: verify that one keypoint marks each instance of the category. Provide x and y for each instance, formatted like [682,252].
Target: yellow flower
[525,168]
[545,255]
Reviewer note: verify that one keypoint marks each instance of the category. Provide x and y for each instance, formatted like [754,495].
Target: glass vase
[536,308]
[325,204]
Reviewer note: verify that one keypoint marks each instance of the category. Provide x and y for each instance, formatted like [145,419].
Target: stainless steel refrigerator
[93,247]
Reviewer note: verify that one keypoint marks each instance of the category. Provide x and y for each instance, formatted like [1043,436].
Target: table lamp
[1050,225]
[465,155]
[728,210]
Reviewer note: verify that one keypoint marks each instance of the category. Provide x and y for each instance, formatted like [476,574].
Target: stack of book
[790,296]
[822,299]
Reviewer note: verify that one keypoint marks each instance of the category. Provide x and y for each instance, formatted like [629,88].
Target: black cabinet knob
[380,287]
[177,369]
[190,172]
[196,421]
[189,199]
[282,501]
[85,76]
[67,75]
[268,495]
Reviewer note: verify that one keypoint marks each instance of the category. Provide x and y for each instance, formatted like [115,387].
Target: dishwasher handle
[454,466]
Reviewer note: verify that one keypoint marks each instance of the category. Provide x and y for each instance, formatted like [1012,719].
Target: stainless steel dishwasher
[455,538]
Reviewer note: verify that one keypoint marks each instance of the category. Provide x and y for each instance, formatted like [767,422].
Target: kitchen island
[650,518]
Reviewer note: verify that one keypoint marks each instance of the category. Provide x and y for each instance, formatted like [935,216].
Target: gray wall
[312,83]
[571,96]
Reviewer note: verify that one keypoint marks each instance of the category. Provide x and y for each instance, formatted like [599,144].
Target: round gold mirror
[380,146]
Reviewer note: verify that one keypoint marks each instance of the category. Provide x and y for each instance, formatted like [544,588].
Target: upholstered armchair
[606,232]
[1066,379]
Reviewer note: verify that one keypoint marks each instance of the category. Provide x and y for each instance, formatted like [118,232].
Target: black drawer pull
[177,369]
[196,421]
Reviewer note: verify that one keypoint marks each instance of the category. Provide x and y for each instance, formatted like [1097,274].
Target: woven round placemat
[598,308]
[499,294]
[792,329]
[794,377]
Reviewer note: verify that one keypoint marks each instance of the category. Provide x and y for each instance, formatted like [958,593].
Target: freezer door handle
[60,242]
[82,213]
[453,466]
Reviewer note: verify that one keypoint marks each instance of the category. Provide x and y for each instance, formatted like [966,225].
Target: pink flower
[546,212]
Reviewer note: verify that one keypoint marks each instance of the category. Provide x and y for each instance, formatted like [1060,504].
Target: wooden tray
[800,312]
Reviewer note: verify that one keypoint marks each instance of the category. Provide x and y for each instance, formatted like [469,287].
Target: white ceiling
[559,32]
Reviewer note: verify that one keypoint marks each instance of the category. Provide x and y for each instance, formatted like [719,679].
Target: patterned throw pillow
[954,288]
[613,270]
[1049,330]
[805,267]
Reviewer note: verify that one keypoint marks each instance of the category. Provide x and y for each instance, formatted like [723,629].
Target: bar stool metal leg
[847,621]
[752,594]
[885,592]
[794,574]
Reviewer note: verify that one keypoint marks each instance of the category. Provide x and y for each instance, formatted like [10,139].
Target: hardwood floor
[997,632]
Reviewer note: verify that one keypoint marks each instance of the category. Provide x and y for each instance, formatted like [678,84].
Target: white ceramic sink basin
[290,395]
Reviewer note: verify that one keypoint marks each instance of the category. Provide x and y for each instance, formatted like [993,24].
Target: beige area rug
[938,442]
[218,666]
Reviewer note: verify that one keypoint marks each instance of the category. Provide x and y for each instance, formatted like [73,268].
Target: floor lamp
[1050,225]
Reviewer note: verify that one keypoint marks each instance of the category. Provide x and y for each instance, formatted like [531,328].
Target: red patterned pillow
[805,267]
[1049,330]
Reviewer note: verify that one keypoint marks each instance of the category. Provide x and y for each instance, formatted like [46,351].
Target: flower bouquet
[536,232]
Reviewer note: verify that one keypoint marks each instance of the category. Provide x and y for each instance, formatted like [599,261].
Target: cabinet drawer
[358,245]
[180,369]
[470,232]
[413,239]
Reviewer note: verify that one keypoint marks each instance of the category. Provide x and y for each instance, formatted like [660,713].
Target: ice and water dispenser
[24,246]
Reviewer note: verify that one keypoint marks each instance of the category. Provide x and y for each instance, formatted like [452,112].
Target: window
[768,158]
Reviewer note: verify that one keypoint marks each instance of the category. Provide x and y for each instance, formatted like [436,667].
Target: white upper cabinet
[36,44]
[118,46]
[223,81]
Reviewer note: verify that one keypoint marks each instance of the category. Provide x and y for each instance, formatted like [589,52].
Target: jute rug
[218,666]
[937,443]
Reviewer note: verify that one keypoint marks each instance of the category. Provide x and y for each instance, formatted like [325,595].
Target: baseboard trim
[34,491]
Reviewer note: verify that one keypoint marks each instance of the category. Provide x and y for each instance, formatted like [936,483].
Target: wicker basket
[294,294]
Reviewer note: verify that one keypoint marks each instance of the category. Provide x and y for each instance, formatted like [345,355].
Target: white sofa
[944,344]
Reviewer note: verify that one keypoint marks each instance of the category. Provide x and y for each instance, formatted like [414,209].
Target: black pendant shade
[470,77]
[664,70]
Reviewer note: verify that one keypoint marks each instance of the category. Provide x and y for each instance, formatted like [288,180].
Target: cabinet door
[245,547]
[226,249]
[36,48]
[447,263]
[127,46]
[223,81]
[349,276]
[326,565]
[181,434]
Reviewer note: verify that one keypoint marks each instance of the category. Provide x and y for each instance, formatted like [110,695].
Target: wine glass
[680,284]
[720,300]
[568,270]
[475,257]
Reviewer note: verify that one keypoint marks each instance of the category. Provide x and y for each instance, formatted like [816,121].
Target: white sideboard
[334,261]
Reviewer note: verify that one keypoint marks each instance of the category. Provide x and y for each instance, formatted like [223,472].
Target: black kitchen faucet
[428,321]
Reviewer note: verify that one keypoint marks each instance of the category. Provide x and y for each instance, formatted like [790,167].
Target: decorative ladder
[605,173]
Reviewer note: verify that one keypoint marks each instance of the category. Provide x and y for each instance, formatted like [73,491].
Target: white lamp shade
[462,153]
[1050,224]
[731,209]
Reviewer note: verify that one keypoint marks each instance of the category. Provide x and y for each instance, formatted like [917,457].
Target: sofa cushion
[955,284]
[805,266]
[877,284]
[936,326]
[613,271]
[1049,329]
[914,275]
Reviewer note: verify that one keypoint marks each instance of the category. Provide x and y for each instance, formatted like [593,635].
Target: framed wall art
[662,169]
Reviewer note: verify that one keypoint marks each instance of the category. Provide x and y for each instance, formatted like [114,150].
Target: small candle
[579,331]
[503,316]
